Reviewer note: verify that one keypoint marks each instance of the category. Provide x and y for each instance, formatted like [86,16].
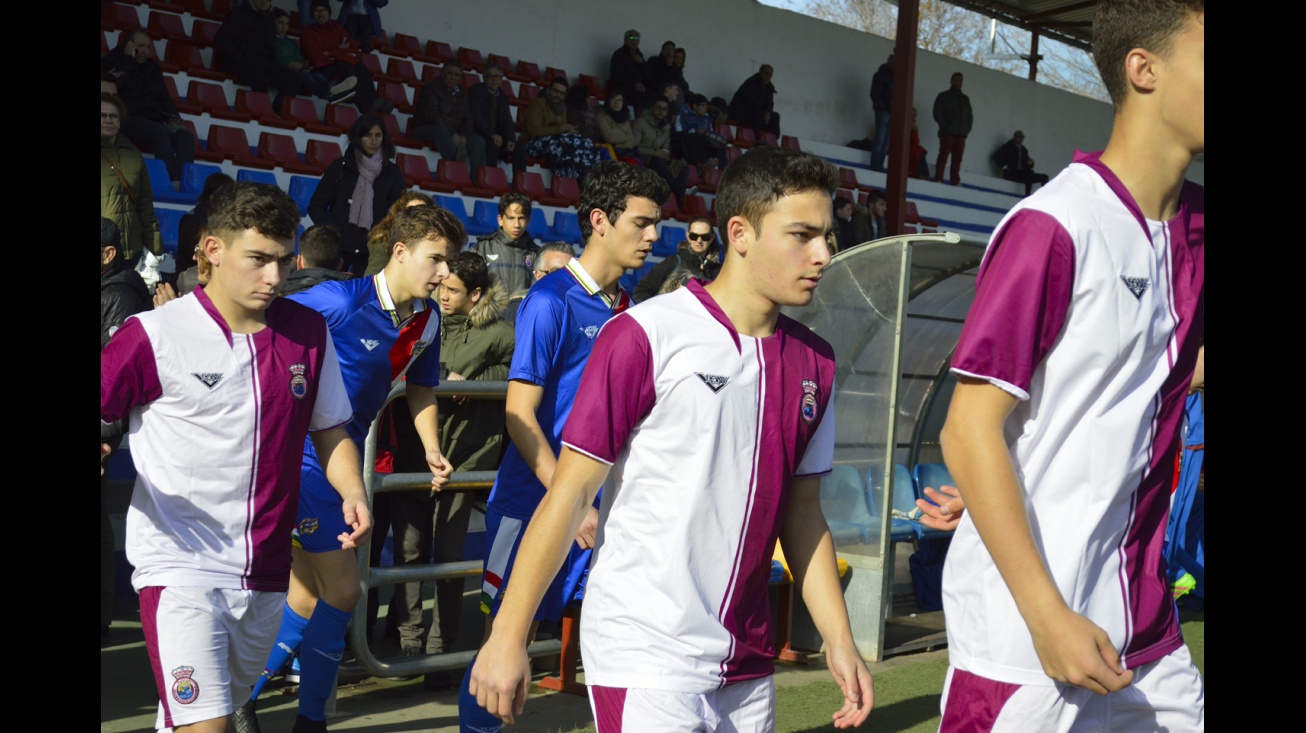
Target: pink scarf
[360,208]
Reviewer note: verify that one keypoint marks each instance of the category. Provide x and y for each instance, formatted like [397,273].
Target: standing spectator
[754,103]
[358,188]
[882,103]
[492,116]
[318,260]
[334,54]
[702,145]
[547,135]
[443,118]
[614,125]
[653,137]
[698,256]
[877,209]
[378,240]
[627,71]
[152,120]
[660,66]
[190,230]
[676,72]
[953,114]
[246,46]
[126,198]
[1016,164]
[510,251]
[289,56]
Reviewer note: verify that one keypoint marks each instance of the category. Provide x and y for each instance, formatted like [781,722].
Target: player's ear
[1140,69]
[599,221]
[739,235]
[212,248]
[400,252]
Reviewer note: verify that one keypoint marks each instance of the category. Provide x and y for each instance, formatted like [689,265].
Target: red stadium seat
[303,113]
[526,94]
[402,69]
[670,209]
[441,52]
[695,206]
[120,17]
[502,62]
[768,138]
[395,92]
[410,45]
[418,173]
[710,180]
[259,106]
[341,117]
[594,86]
[469,80]
[166,25]
[552,73]
[566,189]
[203,33]
[848,179]
[733,152]
[527,72]
[531,184]
[280,149]
[170,83]
[180,56]
[745,137]
[232,144]
[493,178]
[212,98]
[318,154]
[790,142]
[471,59]
[913,217]
[454,173]
[197,9]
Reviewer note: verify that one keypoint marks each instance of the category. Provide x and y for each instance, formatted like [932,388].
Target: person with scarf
[357,189]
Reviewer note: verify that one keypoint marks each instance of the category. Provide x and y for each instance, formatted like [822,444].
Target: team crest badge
[185,690]
[208,379]
[307,525]
[1137,285]
[529,261]
[298,384]
[714,382]
[808,409]
[419,347]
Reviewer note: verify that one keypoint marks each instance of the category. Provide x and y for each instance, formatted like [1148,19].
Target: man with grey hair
[551,257]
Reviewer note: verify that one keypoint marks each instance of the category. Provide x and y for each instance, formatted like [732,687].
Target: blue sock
[319,658]
[288,638]
[473,718]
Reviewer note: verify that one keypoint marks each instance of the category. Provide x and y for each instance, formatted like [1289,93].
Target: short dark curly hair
[1120,26]
[755,181]
[242,205]
[471,269]
[610,184]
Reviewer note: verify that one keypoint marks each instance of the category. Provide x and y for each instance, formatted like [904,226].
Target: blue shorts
[321,516]
[503,536]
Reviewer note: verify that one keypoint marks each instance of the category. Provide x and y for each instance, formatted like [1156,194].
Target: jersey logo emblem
[208,379]
[419,347]
[492,258]
[808,408]
[370,344]
[307,525]
[1137,285]
[528,261]
[185,690]
[714,382]
[298,384]
[590,331]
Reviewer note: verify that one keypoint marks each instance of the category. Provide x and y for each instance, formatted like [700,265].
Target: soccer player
[1072,369]
[620,206]
[709,415]
[221,386]
[385,328]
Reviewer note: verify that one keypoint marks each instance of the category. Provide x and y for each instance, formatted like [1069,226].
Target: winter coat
[685,259]
[512,262]
[141,86]
[436,104]
[122,294]
[617,134]
[541,119]
[650,136]
[328,43]
[246,40]
[330,202]
[477,347]
[882,89]
[491,112]
[752,98]
[952,113]
[132,212]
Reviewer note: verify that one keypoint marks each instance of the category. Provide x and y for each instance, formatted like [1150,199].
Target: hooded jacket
[511,261]
[650,135]
[122,295]
[478,347]
[132,212]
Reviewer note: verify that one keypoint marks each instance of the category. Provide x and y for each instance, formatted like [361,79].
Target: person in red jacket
[331,51]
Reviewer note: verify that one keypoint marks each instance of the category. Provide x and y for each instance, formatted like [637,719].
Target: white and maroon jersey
[1091,315]
[705,429]
[218,421]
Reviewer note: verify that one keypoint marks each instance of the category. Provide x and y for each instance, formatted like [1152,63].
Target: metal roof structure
[1068,21]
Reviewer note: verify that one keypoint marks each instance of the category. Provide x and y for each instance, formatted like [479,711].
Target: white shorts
[746,707]
[207,647]
[1167,694]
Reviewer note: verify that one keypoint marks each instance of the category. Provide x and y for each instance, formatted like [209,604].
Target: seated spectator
[153,122]
[122,291]
[511,250]
[754,103]
[698,256]
[627,71]
[852,227]
[358,188]
[126,198]
[546,134]
[1016,164]
[331,52]
[378,240]
[289,56]
[579,114]
[492,116]
[613,120]
[701,144]
[359,17]
[318,259]
[653,137]
[191,227]
[552,257]
[246,47]
[877,207]
[443,118]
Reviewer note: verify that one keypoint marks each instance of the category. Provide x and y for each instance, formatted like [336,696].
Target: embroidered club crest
[208,379]
[1136,285]
[529,261]
[184,689]
[419,347]
[298,384]
[808,407]
[307,525]
[714,382]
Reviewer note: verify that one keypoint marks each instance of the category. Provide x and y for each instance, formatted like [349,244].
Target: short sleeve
[425,369]
[129,372]
[332,408]
[327,298]
[539,334]
[818,459]
[1023,293]
[616,391]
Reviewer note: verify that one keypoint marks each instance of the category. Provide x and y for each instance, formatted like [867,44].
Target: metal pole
[904,79]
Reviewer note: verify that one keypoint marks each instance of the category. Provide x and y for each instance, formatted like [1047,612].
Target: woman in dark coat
[357,190]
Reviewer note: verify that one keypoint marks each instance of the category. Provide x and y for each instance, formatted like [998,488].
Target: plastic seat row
[851,501]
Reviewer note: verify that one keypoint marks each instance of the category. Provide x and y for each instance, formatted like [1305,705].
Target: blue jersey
[556,327]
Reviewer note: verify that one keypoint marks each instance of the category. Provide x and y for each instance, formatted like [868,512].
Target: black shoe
[244,720]
[441,681]
[407,653]
[308,725]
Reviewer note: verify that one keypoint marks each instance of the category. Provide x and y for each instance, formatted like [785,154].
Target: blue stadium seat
[161,185]
[670,240]
[567,226]
[843,501]
[246,174]
[168,221]
[193,176]
[454,205]
[301,190]
[538,227]
[903,500]
[485,219]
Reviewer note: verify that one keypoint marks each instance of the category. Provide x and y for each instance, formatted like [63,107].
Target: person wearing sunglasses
[699,256]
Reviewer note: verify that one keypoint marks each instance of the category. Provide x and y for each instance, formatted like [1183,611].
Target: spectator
[511,250]
[852,226]
[443,118]
[378,240]
[877,209]
[547,135]
[614,126]
[917,165]
[358,188]
[152,122]
[318,259]
[702,145]
[126,198]
[660,66]
[676,72]
[108,83]
[190,230]
[246,47]
[289,56]
[362,20]
[754,103]
[953,114]
[491,116]
[653,136]
[882,103]
[579,114]
[1016,164]
[698,256]
[334,54]
[552,257]
[627,71]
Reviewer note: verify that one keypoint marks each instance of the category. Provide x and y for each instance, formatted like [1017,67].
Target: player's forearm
[528,436]
[809,550]
[426,415]
[340,462]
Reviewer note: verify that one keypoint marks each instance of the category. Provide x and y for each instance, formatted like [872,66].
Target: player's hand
[358,516]
[1076,651]
[163,292]
[440,467]
[589,527]
[500,678]
[945,511]
[848,669]
[104,453]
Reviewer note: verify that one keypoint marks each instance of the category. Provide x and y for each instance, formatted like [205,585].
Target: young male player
[1072,369]
[557,323]
[221,387]
[385,328]
[709,415]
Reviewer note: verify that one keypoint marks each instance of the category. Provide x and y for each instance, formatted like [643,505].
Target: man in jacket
[443,118]
[1016,164]
[491,116]
[125,194]
[627,71]
[852,226]
[754,103]
[334,54]
[547,135]
[510,252]
[152,121]
[953,114]
[318,260]
[653,137]
[246,46]
[882,103]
